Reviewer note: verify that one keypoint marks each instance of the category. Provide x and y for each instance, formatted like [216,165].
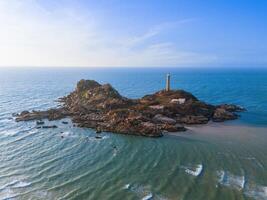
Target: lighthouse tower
[168,84]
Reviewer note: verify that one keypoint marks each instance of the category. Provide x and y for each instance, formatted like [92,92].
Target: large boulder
[221,114]
[150,129]
[83,85]
[161,119]
[25,112]
[231,108]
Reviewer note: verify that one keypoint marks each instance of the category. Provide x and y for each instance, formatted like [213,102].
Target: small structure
[179,101]
[168,84]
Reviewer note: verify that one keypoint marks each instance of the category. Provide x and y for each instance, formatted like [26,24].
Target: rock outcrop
[101,107]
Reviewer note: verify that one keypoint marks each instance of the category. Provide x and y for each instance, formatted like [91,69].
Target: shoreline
[224,131]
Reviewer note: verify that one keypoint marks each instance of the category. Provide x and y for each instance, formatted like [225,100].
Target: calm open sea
[218,161]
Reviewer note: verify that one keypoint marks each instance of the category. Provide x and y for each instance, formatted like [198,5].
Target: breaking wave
[231,180]
[257,192]
[194,171]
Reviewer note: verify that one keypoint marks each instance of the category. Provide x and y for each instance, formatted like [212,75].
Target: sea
[220,161]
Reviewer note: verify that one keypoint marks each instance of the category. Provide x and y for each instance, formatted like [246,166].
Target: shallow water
[218,161]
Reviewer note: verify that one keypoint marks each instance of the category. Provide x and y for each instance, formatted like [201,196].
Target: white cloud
[33,36]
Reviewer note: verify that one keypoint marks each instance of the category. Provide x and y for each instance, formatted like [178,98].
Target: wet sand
[224,132]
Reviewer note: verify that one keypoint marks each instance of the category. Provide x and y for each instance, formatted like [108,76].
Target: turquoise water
[220,162]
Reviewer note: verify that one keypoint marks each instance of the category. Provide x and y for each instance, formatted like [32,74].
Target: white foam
[9,184]
[105,137]
[237,182]
[15,184]
[5,120]
[141,191]
[144,192]
[148,197]
[115,151]
[21,184]
[126,187]
[159,197]
[230,180]
[12,132]
[221,175]
[43,194]
[67,134]
[7,194]
[257,192]
[249,158]
[195,172]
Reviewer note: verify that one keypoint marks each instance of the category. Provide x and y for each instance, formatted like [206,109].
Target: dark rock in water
[38,127]
[25,112]
[15,114]
[221,114]
[101,107]
[231,108]
[98,130]
[64,122]
[51,114]
[40,122]
[180,127]
[53,126]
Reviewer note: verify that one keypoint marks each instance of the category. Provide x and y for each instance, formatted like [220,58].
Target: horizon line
[120,66]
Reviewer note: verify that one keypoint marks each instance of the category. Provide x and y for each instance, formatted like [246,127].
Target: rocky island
[101,107]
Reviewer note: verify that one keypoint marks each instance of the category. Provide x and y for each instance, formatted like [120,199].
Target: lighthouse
[168,84]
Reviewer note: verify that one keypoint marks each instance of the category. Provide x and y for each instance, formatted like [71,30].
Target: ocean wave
[126,187]
[257,192]
[143,192]
[7,190]
[249,158]
[7,194]
[140,191]
[220,175]
[68,134]
[115,152]
[231,180]
[12,132]
[97,139]
[4,120]
[253,160]
[15,184]
[148,197]
[43,194]
[8,185]
[194,171]
[29,133]
[21,184]
[254,191]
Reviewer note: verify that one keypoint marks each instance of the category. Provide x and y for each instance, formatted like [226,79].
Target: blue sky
[160,33]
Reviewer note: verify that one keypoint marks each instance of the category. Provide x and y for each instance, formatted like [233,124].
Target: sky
[135,33]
